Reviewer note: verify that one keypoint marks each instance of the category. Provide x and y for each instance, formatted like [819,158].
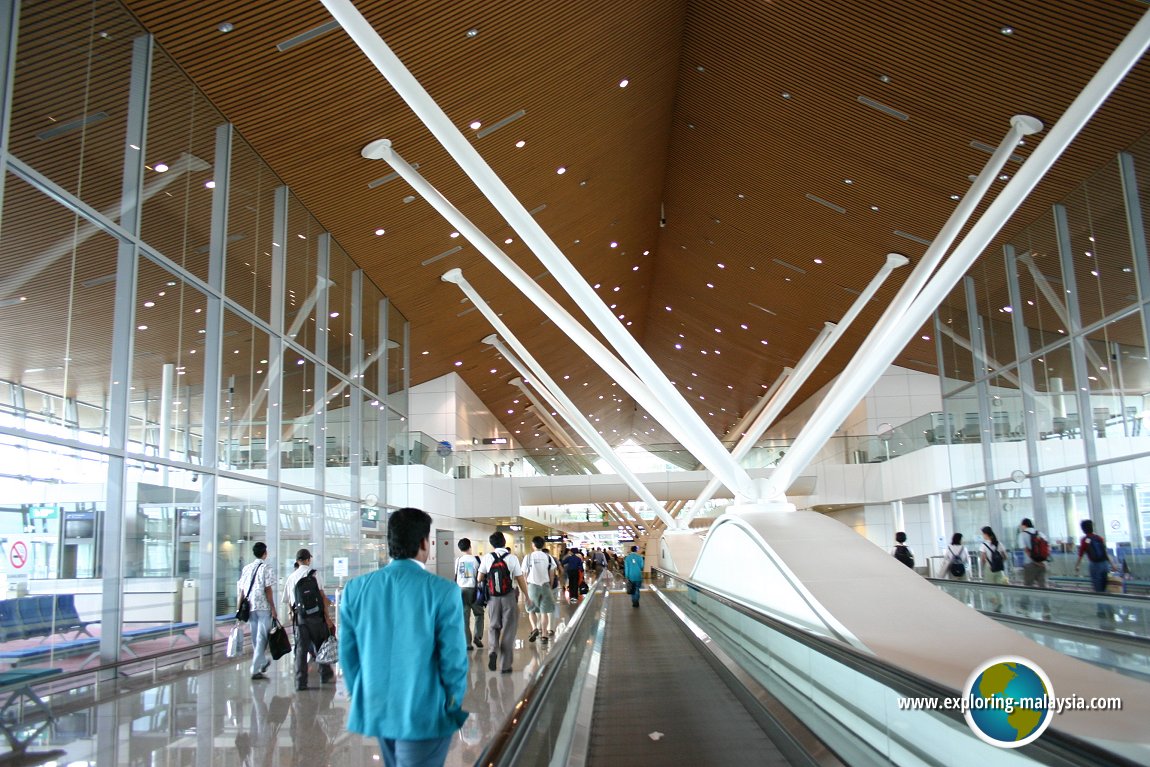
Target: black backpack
[997,562]
[957,569]
[902,554]
[499,576]
[308,600]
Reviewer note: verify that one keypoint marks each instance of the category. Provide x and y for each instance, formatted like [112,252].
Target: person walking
[901,551]
[994,556]
[402,652]
[1037,550]
[573,566]
[1093,547]
[466,577]
[957,559]
[633,572]
[539,566]
[257,583]
[306,603]
[499,571]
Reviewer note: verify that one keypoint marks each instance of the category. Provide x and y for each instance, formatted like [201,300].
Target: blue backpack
[1096,549]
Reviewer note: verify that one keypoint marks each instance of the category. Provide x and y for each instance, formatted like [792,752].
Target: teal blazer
[403,653]
[633,567]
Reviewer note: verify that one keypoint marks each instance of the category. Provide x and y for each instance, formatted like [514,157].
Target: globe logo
[1008,702]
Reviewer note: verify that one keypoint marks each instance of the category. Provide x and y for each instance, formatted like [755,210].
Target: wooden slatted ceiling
[310,110]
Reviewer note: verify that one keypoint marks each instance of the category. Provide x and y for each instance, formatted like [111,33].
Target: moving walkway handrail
[1054,747]
[1137,600]
[518,723]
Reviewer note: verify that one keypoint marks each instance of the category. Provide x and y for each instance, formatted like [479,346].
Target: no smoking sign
[18,554]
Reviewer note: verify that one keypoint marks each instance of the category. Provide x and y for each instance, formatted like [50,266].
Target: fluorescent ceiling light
[502,123]
[303,37]
[67,127]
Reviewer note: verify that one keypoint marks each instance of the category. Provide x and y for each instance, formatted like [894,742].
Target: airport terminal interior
[752,287]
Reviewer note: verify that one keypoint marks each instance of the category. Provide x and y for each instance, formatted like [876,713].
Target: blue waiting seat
[26,655]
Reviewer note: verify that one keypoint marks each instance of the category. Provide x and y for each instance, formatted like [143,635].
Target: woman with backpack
[957,559]
[994,556]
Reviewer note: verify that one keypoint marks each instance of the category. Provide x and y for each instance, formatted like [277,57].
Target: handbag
[236,642]
[244,611]
[328,652]
[630,586]
[278,643]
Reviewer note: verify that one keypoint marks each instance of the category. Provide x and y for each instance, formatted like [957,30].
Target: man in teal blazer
[403,651]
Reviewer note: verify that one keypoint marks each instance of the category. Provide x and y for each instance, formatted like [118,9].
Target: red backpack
[1039,547]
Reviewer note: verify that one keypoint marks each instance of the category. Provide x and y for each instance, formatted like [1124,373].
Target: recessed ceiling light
[884,78]
[646,252]
[520,144]
[667,308]
[614,244]
[458,363]
[744,327]
[874,208]
[741,196]
[226,26]
[141,327]
[721,266]
[1004,177]
[210,184]
[848,181]
[1007,30]
[380,232]
[634,268]
[149,304]
[409,199]
[508,241]
[561,170]
[818,260]
[476,125]
[160,167]
[454,235]
[615,289]
[954,197]
[709,285]
[624,83]
[925,338]
[786,94]
[425,352]
[473,32]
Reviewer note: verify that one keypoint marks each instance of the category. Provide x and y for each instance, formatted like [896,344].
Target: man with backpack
[1093,547]
[1037,550]
[499,571]
[307,605]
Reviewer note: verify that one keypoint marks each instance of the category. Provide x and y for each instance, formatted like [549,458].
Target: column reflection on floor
[222,718]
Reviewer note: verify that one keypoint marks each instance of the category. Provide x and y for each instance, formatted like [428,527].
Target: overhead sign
[42,512]
[495,440]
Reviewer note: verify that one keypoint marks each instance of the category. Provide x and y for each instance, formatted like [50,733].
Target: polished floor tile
[222,717]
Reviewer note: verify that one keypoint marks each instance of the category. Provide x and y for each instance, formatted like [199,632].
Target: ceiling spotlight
[161,167]
[520,144]
[561,170]
[454,235]
[226,26]
[476,125]
[884,78]
[379,232]
[1007,30]
[209,184]
[624,83]
[786,94]
[874,208]
[473,32]
[848,181]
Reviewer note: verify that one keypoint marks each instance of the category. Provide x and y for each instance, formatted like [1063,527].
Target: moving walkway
[694,677]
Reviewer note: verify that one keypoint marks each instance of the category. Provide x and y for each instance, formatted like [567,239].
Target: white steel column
[682,421]
[550,390]
[938,523]
[530,369]
[866,368]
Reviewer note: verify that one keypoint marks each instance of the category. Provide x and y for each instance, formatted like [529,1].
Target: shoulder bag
[244,611]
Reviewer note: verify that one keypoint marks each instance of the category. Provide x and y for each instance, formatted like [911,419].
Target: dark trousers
[573,584]
[308,638]
[471,611]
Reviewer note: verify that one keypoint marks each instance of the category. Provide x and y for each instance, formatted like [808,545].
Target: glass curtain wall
[189,363]
[1046,378]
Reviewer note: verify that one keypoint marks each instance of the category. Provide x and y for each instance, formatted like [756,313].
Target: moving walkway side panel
[653,679]
[810,570]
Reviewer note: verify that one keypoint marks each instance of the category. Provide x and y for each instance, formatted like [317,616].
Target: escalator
[692,677]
